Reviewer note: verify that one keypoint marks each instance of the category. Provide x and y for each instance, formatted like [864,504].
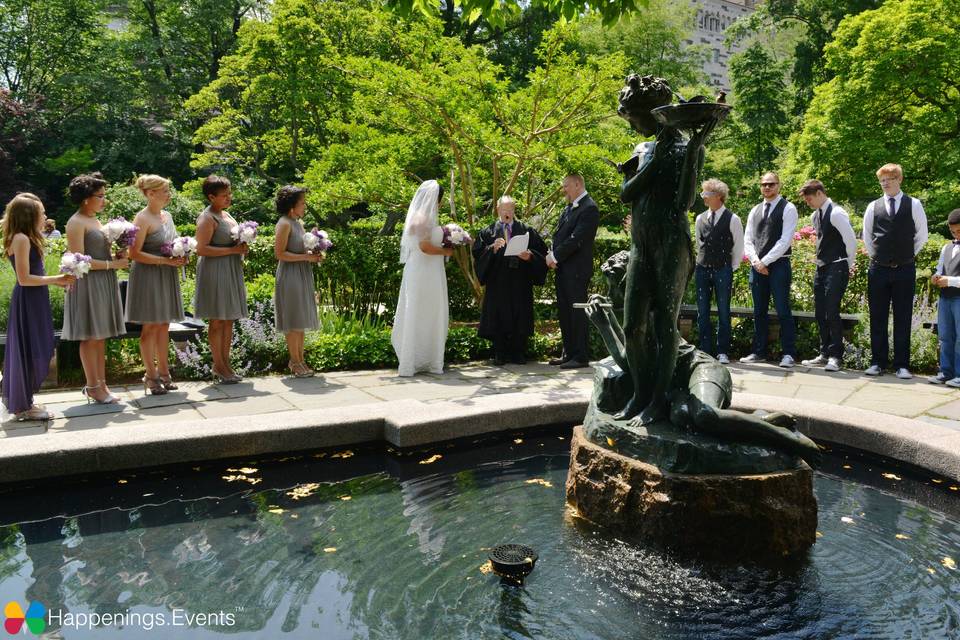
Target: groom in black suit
[572,257]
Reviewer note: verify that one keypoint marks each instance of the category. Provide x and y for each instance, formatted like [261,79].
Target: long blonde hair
[20,216]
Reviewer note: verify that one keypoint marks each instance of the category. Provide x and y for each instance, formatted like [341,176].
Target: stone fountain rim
[413,423]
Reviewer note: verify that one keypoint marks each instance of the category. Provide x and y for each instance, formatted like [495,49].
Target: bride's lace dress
[423,316]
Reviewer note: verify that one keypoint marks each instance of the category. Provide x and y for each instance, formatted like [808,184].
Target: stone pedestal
[737,517]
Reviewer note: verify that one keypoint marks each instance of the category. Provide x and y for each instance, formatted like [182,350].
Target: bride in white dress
[423,315]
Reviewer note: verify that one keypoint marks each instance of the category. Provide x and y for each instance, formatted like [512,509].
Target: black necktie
[893,207]
[766,212]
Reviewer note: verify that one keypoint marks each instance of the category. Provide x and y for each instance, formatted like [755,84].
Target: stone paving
[200,400]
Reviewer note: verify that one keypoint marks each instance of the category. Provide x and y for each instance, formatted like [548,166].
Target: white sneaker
[819,361]
[723,358]
[787,362]
[937,379]
[903,374]
[750,359]
[873,370]
[954,382]
[833,364]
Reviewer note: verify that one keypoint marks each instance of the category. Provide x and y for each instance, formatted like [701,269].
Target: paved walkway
[198,400]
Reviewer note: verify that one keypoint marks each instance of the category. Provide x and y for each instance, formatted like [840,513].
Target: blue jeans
[777,283]
[948,331]
[718,281]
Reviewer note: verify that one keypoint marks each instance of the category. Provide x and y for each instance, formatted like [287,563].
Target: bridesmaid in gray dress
[294,299]
[221,296]
[153,293]
[92,311]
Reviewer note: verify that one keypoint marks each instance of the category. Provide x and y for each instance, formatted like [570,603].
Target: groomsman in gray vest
[769,234]
[894,232]
[719,235]
[836,258]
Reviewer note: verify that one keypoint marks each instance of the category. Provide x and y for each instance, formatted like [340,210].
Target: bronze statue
[660,183]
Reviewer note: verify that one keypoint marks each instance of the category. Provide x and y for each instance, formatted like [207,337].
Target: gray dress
[153,293]
[293,297]
[220,294]
[91,308]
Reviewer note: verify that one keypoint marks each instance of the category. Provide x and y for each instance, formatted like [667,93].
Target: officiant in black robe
[507,316]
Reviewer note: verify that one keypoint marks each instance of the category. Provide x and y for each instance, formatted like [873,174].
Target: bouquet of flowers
[316,241]
[75,264]
[454,236]
[245,232]
[181,247]
[121,232]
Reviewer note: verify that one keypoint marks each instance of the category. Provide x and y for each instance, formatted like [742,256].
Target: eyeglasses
[769,184]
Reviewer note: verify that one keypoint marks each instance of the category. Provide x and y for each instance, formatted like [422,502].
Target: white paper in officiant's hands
[517,245]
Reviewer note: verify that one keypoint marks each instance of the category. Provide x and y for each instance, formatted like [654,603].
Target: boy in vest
[719,236]
[947,277]
[836,257]
[767,240]
[894,231]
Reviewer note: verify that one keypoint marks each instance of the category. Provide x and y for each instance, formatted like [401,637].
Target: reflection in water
[396,553]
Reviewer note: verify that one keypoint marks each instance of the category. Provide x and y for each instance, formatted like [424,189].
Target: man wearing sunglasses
[894,232]
[767,240]
[719,239]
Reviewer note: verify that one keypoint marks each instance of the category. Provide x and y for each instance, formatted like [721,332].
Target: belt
[894,265]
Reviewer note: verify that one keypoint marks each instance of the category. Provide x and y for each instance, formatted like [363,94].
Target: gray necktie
[893,207]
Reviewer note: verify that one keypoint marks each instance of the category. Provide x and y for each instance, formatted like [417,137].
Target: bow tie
[956,242]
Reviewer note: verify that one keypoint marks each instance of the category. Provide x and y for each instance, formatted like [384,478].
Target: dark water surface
[377,545]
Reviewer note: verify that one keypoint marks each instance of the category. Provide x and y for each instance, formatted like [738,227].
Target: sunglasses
[769,184]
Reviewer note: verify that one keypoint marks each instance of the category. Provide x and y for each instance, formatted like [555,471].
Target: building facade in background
[713,19]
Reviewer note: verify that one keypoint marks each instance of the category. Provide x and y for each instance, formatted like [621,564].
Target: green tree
[894,97]
[760,123]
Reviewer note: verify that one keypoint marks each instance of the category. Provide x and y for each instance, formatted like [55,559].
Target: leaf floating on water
[846,466]
[293,515]
[937,481]
[819,535]
[320,455]
[892,476]
[931,570]
[343,454]
[243,470]
[518,441]
[303,490]
[611,442]
[540,481]
[431,459]
[345,498]
[242,479]
[902,536]
[278,511]
[486,567]
[954,488]
[121,481]
[329,549]
[846,519]
[949,562]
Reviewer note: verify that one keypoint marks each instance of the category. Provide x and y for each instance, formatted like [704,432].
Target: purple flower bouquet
[245,232]
[454,236]
[316,241]
[120,232]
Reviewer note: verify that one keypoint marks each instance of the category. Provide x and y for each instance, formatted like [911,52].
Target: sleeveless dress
[293,297]
[29,348]
[423,315]
[153,293]
[91,308]
[220,293]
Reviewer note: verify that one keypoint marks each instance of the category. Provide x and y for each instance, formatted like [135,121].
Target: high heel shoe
[300,370]
[168,383]
[153,386]
[88,393]
[219,378]
[111,398]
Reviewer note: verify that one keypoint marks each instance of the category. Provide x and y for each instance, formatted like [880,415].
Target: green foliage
[893,98]
[499,13]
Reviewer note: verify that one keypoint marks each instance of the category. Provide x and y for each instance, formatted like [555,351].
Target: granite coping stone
[412,423]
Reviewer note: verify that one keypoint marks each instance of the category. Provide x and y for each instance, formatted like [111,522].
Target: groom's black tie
[563,216]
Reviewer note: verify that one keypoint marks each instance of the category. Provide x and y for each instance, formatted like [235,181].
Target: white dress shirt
[736,229]
[919,224]
[841,222]
[949,251]
[786,236]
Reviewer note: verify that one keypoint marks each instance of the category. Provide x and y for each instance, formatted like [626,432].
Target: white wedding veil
[421,218]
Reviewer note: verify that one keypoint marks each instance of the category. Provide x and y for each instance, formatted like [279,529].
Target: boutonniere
[575,205]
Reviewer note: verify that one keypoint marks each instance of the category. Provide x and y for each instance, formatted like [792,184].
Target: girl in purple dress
[30,326]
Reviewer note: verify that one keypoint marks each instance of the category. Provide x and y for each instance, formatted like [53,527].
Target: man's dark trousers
[886,287]
[777,284]
[571,288]
[710,280]
[829,285]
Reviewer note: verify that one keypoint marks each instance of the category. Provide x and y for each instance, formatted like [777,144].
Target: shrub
[125,201]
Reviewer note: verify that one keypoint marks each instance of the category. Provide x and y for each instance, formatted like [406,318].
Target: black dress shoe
[499,361]
[556,362]
[574,364]
[518,360]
